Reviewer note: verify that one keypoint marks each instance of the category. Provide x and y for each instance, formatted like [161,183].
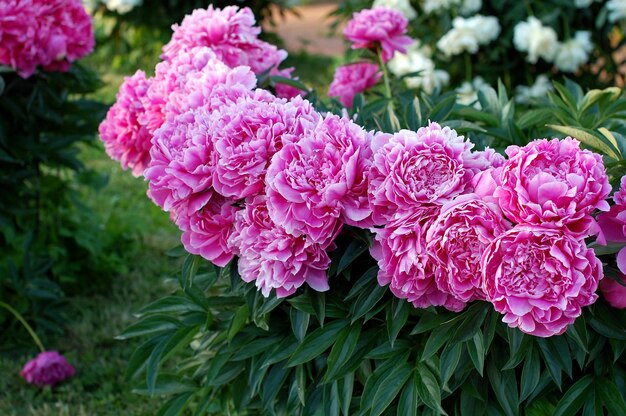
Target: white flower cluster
[616,10]
[466,7]
[526,94]
[468,34]
[467,93]
[117,6]
[403,6]
[418,60]
[581,4]
[541,41]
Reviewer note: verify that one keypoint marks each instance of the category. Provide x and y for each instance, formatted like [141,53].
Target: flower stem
[383,66]
[26,325]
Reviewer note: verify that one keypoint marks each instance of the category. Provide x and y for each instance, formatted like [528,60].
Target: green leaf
[238,321]
[299,323]
[409,399]
[154,324]
[315,343]
[428,388]
[352,252]
[472,321]
[318,300]
[139,358]
[366,301]
[397,315]
[342,351]
[377,378]
[169,304]
[611,396]
[504,386]
[345,387]
[590,138]
[256,347]
[449,361]
[331,399]
[574,398]
[476,351]
[436,340]
[531,373]
[276,79]
[190,268]
[167,384]
[361,284]
[176,405]
[390,388]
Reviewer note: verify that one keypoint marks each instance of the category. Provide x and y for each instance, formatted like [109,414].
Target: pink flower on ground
[284,90]
[49,368]
[351,79]
[540,278]
[230,33]
[273,258]
[614,292]
[553,183]
[125,138]
[379,26]
[51,33]
[319,182]
[456,241]
[206,231]
[192,79]
[404,263]
[247,133]
[411,169]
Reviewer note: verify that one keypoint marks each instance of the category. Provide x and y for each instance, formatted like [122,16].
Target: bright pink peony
[620,196]
[456,241]
[49,368]
[274,259]
[540,278]
[182,162]
[352,79]
[553,183]
[379,26]
[230,33]
[47,33]
[206,231]
[614,292]
[247,133]
[412,169]
[192,79]
[125,139]
[613,226]
[404,263]
[319,182]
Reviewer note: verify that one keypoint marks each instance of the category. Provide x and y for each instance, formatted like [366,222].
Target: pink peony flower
[540,278]
[352,79]
[456,241]
[51,34]
[553,183]
[206,231]
[614,292]
[284,90]
[125,139]
[247,133]
[319,182]
[620,196]
[412,169]
[182,162]
[231,35]
[49,368]
[192,79]
[273,258]
[379,26]
[404,263]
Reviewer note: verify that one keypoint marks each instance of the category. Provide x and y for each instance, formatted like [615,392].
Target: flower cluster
[468,34]
[47,33]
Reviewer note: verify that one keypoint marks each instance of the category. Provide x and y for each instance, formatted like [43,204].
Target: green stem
[23,322]
[468,67]
[529,9]
[383,66]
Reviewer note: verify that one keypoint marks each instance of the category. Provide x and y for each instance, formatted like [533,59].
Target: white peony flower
[121,6]
[469,7]
[403,6]
[526,94]
[467,93]
[616,9]
[431,6]
[417,60]
[468,34]
[574,52]
[538,40]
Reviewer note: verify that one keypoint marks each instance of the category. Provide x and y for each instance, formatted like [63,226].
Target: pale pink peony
[47,33]
[380,26]
[248,133]
[230,33]
[182,162]
[318,183]
[206,231]
[351,79]
[404,263]
[553,183]
[456,241]
[614,292]
[49,368]
[411,169]
[540,278]
[273,258]
[125,138]
[194,78]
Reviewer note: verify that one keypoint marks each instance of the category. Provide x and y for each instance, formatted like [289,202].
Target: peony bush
[406,255]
